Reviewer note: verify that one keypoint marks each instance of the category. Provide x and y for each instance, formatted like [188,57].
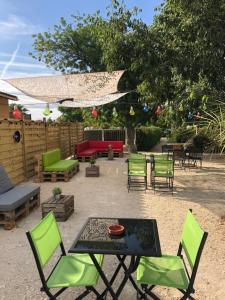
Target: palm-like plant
[214,126]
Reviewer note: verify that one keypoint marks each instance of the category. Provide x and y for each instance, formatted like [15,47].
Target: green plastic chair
[135,156]
[69,271]
[172,271]
[162,169]
[137,174]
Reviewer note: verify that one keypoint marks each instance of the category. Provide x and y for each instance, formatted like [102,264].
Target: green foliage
[147,137]
[214,128]
[19,106]
[56,191]
[177,62]
[182,134]
[70,114]
[201,141]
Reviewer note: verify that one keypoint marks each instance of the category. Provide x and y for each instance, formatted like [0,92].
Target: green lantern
[132,112]
[46,111]
[114,113]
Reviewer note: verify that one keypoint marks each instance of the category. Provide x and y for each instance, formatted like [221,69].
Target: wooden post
[24,150]
[70,145]
[46,136]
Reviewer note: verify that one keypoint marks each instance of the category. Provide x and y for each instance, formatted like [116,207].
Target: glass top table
[140,237]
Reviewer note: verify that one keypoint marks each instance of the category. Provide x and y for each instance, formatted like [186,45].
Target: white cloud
[15,25]
[23,65]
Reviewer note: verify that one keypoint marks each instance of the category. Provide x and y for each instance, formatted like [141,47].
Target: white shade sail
[86,90]
[93,102]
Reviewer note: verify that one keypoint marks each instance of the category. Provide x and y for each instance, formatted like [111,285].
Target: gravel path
[202,190]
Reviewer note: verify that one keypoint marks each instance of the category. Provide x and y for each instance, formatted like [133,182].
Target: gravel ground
[202,190]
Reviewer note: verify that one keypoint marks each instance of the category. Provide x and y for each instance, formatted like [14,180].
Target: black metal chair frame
[190,290]
[192,156]
[137,183]
[44,287]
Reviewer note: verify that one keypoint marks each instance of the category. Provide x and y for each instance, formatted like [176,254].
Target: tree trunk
[131,139]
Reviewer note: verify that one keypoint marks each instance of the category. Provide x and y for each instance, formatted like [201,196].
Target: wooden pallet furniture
[49,167]
[62,208]
[92,171]
[16,201]
[87,149]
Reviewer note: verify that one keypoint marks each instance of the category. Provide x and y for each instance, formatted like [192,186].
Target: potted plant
[56,193]
[92,162]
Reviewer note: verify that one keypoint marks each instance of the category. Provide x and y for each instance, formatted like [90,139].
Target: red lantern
[17,114]
[158,110]
[94,113]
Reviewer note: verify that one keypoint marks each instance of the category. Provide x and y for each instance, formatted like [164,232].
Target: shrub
[182,134]
[147,137]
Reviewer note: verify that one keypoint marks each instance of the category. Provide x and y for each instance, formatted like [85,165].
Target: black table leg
[115,274]
[105,280]
[131,269]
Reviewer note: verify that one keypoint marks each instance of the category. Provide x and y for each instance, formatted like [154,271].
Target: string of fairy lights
[17,114]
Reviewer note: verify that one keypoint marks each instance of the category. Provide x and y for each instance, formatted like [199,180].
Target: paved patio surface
[202,190]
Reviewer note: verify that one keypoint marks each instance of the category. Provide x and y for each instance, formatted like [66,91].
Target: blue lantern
[145,108]
[190,116]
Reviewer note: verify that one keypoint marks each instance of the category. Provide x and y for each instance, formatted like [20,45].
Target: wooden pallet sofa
[16,201]
[52,168]
[88,149]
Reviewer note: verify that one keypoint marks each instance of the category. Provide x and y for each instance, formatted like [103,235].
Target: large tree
[93,43]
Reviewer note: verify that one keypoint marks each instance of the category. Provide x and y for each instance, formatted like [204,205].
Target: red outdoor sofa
[88,149]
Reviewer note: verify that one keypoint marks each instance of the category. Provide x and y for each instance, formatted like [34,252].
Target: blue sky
[20,19]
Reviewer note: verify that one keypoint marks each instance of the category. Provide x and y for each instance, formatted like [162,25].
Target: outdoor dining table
[140,238]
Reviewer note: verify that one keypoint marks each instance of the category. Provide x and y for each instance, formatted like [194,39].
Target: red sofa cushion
[103,145]
[87,148]
[82,146]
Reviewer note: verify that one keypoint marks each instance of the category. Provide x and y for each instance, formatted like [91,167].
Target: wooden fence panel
[36,138]
[53,136]
[65,140]
[35,143]
[11,152]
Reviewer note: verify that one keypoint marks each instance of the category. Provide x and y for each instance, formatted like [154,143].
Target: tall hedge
[147,137]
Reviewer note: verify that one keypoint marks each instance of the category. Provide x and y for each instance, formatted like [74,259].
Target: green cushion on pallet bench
[62,165]
[51,157]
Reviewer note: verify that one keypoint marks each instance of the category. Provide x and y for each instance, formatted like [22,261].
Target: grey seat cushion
[17,196]
[5,182]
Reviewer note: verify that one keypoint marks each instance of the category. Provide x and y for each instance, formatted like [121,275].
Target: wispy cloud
[23,65]
[10,62]
[15,25]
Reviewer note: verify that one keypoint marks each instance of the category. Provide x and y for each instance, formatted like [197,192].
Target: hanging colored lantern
[94,113]
[198,116]
[17,114]
[181,108]
[46,111]
[132,112]
[114,113]
[145,108]
[190,116]
[158,110]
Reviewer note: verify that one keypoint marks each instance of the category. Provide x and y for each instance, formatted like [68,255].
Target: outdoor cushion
[75,270]
[5,182]
[51,157]
[166,270]
[17,196]
[87,152]
[61,166]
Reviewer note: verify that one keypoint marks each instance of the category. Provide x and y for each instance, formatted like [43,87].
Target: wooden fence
[36,138]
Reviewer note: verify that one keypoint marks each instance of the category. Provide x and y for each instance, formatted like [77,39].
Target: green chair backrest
[46,238]
[135,156]
[164,166]
[161,157]
[191,238]
[137,165]
[51,157]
